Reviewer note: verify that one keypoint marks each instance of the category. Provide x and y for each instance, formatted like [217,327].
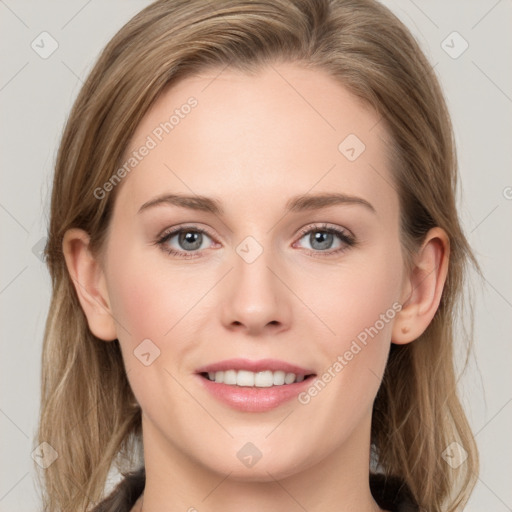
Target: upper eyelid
[178,229]
[326,227]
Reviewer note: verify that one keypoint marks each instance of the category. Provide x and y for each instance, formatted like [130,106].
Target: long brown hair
[88,412]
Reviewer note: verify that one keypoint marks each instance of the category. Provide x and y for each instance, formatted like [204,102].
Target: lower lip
[253,399]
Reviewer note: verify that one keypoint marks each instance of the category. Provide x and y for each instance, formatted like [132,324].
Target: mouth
[263,379]
[254,386]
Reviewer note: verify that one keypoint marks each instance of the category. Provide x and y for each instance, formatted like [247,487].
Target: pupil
[190,237]
[323,238]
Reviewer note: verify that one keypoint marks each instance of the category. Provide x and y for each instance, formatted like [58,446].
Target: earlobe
[89,281]
[423,287]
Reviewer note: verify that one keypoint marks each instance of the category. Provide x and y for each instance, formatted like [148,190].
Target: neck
[338,483]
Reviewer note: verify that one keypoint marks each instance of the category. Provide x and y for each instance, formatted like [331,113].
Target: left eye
[323,239]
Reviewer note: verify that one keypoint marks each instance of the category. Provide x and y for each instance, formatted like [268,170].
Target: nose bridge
[255,298]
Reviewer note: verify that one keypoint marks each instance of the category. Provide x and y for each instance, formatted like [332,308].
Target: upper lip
[255,366]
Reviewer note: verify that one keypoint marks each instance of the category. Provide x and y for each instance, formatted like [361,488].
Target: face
[255,241]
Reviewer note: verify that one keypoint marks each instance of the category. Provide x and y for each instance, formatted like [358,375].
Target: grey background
[36,95]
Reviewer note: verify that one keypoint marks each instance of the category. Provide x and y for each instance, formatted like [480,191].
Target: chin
[275,463]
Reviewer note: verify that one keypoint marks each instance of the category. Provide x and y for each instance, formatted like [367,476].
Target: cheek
[150,314]
[367,298]
[355,298]
[138,304]
[147,296]
[360,307]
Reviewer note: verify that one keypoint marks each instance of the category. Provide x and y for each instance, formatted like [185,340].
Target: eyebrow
[295,204]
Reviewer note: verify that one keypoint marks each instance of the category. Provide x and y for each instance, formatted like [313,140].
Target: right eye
[184,242]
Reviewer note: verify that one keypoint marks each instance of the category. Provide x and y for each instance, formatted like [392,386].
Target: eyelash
[346,239]
[167,235]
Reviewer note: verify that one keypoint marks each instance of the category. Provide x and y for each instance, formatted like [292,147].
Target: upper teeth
[263,379]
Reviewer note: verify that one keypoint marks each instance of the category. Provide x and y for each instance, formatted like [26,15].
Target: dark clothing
[392,494]
[389,493]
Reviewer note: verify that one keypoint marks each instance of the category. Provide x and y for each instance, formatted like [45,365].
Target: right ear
[90,285]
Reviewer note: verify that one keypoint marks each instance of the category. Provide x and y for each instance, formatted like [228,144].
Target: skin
[253,142]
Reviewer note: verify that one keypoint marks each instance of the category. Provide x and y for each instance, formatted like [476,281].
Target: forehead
[282,131]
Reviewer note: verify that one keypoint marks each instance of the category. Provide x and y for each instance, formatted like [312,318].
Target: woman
[256,262]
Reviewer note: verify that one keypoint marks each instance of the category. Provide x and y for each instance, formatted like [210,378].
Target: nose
[255,301]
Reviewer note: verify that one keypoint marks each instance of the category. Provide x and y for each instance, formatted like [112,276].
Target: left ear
[423,287]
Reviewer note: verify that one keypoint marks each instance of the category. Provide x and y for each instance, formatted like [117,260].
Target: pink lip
[254,366]
[252,399]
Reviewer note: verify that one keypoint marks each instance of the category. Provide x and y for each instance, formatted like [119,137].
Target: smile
[246,378]
[254,386]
